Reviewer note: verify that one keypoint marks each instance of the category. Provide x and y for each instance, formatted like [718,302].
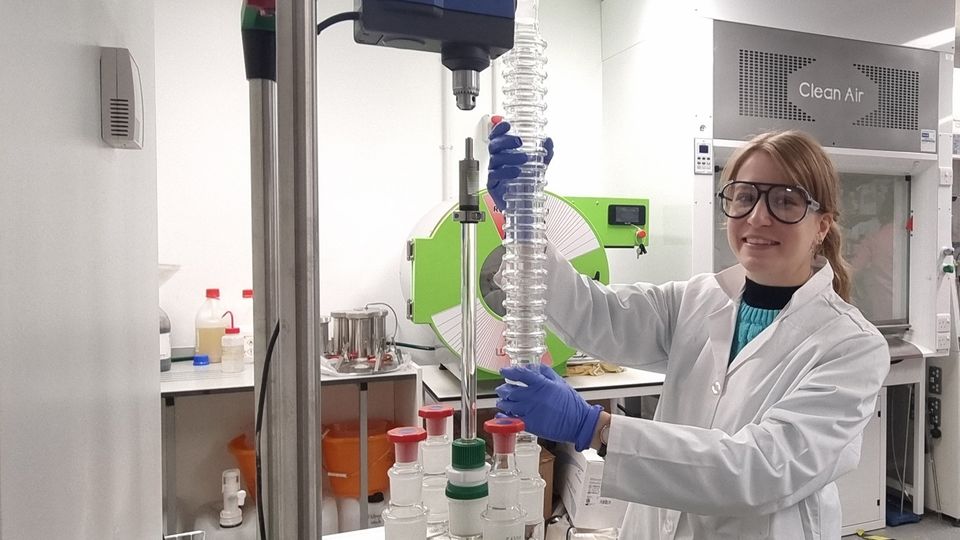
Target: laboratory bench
[400,394]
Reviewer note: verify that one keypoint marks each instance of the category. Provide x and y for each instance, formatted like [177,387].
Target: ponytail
[832,249]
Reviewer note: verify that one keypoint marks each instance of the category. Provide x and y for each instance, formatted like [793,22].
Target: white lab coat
[746,451]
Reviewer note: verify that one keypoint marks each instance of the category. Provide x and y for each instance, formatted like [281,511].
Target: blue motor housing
[467,33]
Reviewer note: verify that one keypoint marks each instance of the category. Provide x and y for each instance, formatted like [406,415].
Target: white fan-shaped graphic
[570,234]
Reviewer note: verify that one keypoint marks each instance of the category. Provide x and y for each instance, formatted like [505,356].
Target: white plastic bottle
[245,322]
[328,518]
[210,326]
[348,511]
[231,359]
[376,504]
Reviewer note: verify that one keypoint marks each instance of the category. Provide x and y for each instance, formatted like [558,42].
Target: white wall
[203,158]
[79,378]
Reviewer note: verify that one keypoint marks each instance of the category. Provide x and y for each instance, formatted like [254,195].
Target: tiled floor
[929,528]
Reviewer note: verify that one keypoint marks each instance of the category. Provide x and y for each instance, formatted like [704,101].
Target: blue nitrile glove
[549,407]
[505,161]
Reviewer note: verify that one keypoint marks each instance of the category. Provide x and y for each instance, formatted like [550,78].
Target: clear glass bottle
[525,240]
[435,458]
[503,519]
[532,486]
[405,518]
[467,488]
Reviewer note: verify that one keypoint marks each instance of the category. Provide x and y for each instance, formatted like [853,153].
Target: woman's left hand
[548,406]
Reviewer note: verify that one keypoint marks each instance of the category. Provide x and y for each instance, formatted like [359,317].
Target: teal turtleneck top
[759,306]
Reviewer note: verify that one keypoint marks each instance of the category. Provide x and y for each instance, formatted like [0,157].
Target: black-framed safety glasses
[788,204]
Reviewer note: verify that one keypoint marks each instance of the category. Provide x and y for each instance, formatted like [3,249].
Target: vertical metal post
[293,449]
[364,459]
[263,203]
[468,306]
[468,214]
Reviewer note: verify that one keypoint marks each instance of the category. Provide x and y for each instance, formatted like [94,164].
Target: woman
[771,375]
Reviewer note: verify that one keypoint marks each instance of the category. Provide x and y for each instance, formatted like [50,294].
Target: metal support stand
[468,214]
[364,455]
[282,47]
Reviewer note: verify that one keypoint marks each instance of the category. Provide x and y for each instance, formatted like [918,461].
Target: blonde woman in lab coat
[771,375]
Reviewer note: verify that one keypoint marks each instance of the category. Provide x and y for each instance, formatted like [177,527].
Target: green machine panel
[616,220]
[574,227]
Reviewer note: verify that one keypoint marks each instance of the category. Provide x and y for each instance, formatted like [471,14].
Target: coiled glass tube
[525,239]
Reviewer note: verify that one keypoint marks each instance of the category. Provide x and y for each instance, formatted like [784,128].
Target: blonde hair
[807,165]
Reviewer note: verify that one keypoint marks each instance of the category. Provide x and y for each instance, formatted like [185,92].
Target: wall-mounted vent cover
[121,99]
[763,85]
[898,95]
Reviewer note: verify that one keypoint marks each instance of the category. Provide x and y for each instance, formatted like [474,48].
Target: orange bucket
[246,456]
[341,457]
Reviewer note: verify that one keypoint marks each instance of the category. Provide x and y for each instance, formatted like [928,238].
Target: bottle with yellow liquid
[210,326]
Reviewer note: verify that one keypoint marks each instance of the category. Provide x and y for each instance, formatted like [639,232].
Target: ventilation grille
[897,103]
[763,85]
[119,117]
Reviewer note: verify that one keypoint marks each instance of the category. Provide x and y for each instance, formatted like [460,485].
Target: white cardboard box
[579,475]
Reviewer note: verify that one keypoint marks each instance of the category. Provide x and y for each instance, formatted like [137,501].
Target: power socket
[943,322]
[934,380]
[933,412]
[943,341]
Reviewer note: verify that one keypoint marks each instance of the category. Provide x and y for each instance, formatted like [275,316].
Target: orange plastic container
[341,457]
[246,455]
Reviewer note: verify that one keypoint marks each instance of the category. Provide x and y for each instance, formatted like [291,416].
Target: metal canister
[360,334]
[325,336]
[340,344]
[379,337]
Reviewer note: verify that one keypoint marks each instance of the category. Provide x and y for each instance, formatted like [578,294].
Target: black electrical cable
[340,17]
[414,346]
[260,405]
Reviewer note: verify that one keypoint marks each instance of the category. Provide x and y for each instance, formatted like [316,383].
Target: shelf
[850,159]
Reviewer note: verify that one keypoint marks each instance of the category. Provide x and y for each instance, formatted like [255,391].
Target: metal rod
[364,456]
[266,311]
[168,425]
[468,305]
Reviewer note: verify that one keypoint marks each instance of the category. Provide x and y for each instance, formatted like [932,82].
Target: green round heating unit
[434,294]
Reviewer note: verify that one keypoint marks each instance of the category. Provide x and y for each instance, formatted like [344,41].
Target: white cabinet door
[862,490]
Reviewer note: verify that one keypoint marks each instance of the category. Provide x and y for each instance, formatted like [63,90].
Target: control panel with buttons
[702,156]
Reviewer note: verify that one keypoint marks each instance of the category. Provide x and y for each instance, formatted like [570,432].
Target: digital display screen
[704,149]
[626,214]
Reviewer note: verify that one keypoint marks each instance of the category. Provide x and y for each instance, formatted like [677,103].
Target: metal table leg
[168,432]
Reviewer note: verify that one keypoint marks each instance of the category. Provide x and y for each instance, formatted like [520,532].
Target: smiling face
[772,252]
